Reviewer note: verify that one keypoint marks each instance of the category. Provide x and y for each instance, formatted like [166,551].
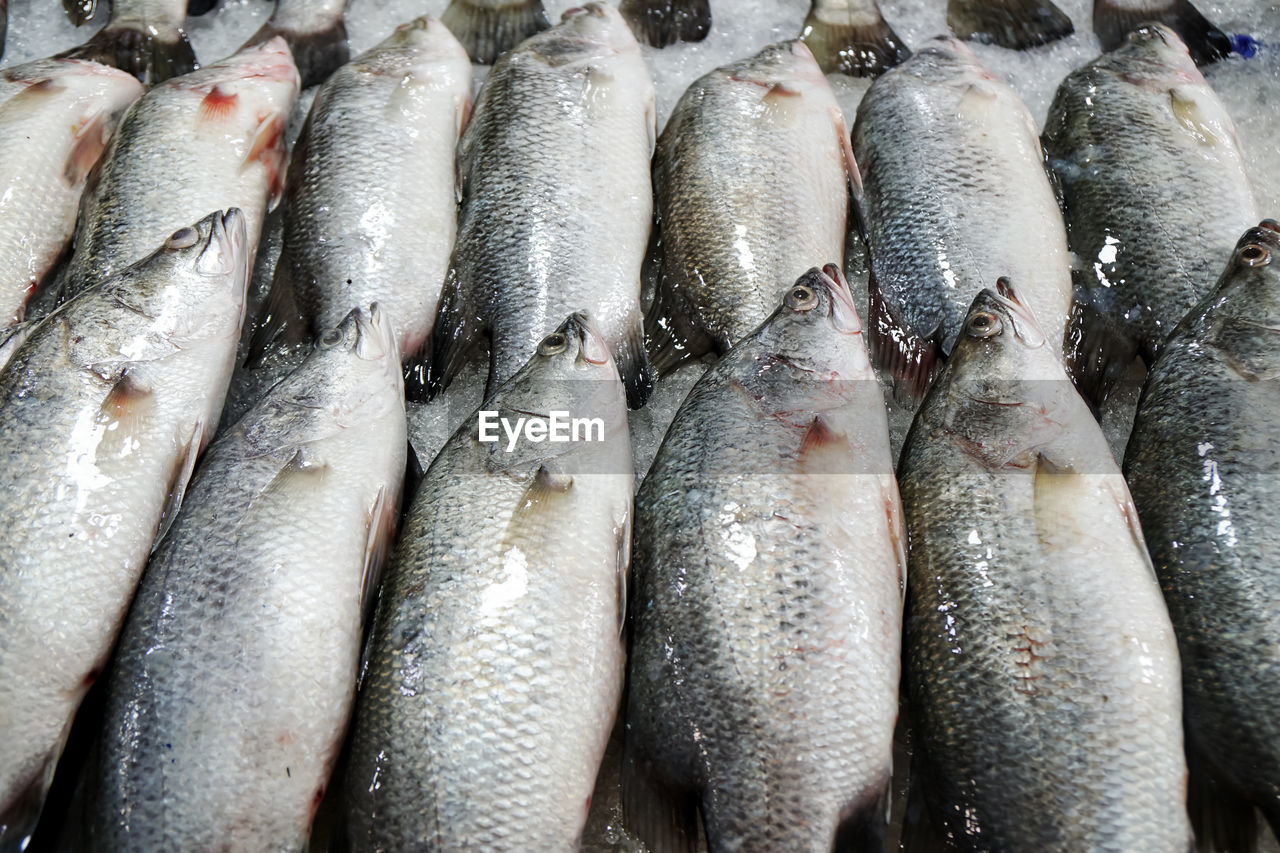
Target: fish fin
[1112,22]
[268,148]
[80,12]
[623,567]
[487,32]
[298,476]
[852,173]
[281,320]
[1220,818]
[383,518]
[664,22]
[20,815]
[90,141]
[126,408]
[414,471]
[864,828]
[152,57]
[661,816]
[528,528]
[416,366]
[1014,24]
[1099,352]
[217,105]
[853,46]
[457,329]
[317,54]
[182,473]
[823,450]
[919,830]
[910,358]
[672,335]
[633,364]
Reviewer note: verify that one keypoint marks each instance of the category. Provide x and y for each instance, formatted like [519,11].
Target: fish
[1040,663]
[1015,24]
[1132,138]
[316,33]
[556,202]
[1113,20]
[1202,467]
[851,37]
[236,669]
[356,229]
[54,126]
[955,196]
[212,139]
[660,23]
[142,37]
[495,666]
[490,28]
[769,563]
[104,409]
[751,177]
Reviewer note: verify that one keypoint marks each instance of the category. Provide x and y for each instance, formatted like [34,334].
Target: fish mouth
[844,315]
[592,346]
[225,250]
[1024,319]
[374,338]
[1270,225]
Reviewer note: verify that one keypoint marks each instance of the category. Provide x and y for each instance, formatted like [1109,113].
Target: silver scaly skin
[1204,466]
[956,197]
[495,667]
[209,140]
[1041,667]
[751,175]
[557,203]
[103,411]
[769,569]
[56,117]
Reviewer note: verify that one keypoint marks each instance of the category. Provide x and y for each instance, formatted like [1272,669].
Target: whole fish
[1203,466]
[143,37]
[54,125]
[751,175]
[489,28]
[664,22]
[1041,667]
[557,203]
[955,194]
[1155,193]
[316,33]
[234,677]
[1015,24]
[851,37]
[769,565]
[1113,20]
[103,411]
[212,139]
[356,229]
[496,663]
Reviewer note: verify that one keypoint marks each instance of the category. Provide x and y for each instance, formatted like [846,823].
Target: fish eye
[1254,255]
[552,344]
[801,298]
[331,338]
[183,238]
[984,324]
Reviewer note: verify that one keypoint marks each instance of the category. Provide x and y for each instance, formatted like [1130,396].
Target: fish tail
[664,818]
[911,358]
[1098,352]
[1221,819]
[487,33]
[152,57]
[664,22]
[457,330]
[853,47]
[317,54]
[1206,43]
[633,364]
[864,828]
[1015,24]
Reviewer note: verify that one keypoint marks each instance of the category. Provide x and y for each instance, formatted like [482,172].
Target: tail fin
[664,22]
[865,829]
[852,46]
[665,820]
[457,329]
[1015,24]
[317,54]
[1221,819]
[1113,21]
[1098,351]
[487,32]
[152,56]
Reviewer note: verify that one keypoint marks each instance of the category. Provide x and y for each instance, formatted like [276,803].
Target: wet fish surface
[956,196]
[236,669]
[316,33]
[1113,20]
[1155,193]
[1203,467]
[557,203]
[851,37]
[664,22]
[496,663]
[489,28]
[1015,24]
[56,117]
[751,176]
[106,406]
[210,140]
[1041,667]
[769,567]
[142,37]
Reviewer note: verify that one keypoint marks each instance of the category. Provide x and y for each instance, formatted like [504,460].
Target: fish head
[1153,56]
[1248,292]
[785,68]
[423,47]
[589,33]
[944,60]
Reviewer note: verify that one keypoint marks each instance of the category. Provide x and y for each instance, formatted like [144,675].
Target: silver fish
[752,174]
[557,202]
[142,37]
[852,37]
[496,662]
[1041,667]
[316,33]
[489,28]
[236,669]
[55,122]
[1203,468]
[769,565]
[103,411]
